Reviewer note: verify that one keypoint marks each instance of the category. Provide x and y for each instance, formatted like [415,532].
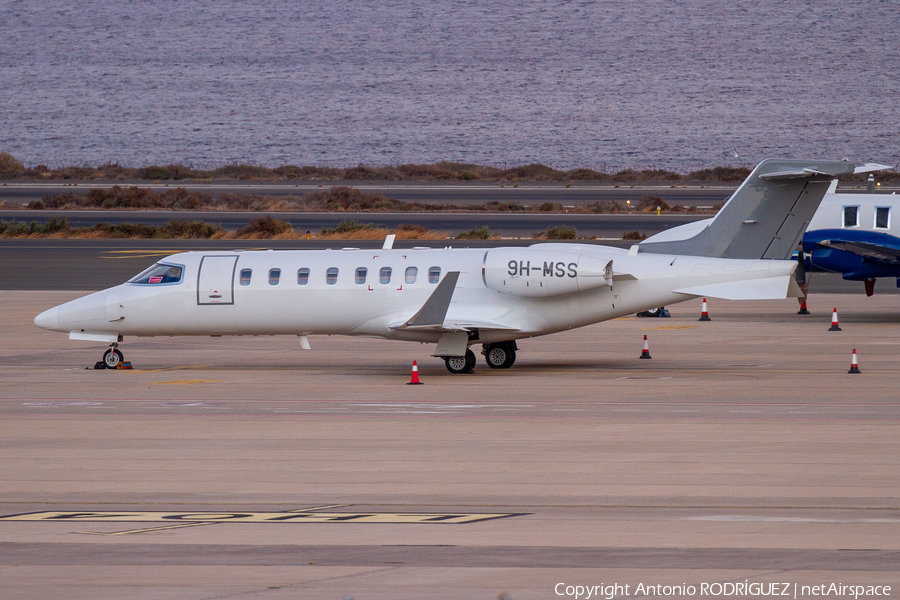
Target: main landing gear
[500,355]
[461,364]
[113,357]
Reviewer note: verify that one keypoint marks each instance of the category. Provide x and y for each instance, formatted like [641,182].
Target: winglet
[435,308]
[389,241]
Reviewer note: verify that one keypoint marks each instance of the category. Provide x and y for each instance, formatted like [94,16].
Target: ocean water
[675,84]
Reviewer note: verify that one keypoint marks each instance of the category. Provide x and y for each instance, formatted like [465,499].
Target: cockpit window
[158,274]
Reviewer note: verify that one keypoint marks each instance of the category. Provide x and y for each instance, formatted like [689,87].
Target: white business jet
[457,298]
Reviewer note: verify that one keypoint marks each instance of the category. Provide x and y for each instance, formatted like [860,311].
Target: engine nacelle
[538,272]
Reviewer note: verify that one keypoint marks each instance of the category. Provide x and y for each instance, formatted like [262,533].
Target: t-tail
[764,218]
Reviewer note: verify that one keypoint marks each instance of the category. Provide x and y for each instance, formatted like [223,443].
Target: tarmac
[743,452]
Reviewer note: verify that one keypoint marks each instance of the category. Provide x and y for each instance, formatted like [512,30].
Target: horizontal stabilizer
[770,288]
[869,167]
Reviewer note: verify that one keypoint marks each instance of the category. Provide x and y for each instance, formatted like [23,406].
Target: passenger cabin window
[411,273]
[158,274]
[274,276]
[361,276]
[245,276]
[303,276]
[851,216]
[331,276]
[384,275]
[434,274]
[882,217]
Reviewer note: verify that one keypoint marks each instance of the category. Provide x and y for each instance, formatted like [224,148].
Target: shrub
[534,171]
[340,198]
[719,174]
[562,232]
[476,233]
[634,234]
[239,171]
[587,175]
[55,225]
[651,203]
[438,171]
[155,172]
[264,227]
[9,166]
[347,227]
[605,206]
[410,228]
[363,172]
[198,230]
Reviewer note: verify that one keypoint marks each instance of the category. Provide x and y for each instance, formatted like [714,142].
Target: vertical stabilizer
[764,218]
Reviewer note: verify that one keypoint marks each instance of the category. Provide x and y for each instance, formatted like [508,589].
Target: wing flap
[455,325]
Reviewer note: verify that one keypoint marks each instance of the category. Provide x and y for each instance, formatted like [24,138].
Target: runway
[442,224]
[458,193]
[246,467]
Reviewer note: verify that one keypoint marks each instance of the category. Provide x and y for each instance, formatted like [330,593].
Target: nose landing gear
[113,357]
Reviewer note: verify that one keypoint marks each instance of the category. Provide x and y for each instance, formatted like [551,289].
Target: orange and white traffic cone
[704,315]
[414,380]
[854,364]
[803,310]
[645,353]
[834,322]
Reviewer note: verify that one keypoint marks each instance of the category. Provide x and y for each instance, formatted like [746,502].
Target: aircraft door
[215,281]
[602,299]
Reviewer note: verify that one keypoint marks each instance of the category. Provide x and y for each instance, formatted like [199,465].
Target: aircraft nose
[49,319]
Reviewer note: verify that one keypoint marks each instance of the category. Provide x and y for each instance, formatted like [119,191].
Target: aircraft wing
[874,252]
[455,325]
[433,314]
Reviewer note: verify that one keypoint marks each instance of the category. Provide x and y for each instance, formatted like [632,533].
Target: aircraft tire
[112,358]
[470,361]
[499,356]
[457,364]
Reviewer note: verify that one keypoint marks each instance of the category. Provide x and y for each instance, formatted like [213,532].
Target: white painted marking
[62,403]
[761,519]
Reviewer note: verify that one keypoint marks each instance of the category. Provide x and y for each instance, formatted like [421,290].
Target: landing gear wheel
[499,356]
[470,361]
[112,358]
[461,364]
